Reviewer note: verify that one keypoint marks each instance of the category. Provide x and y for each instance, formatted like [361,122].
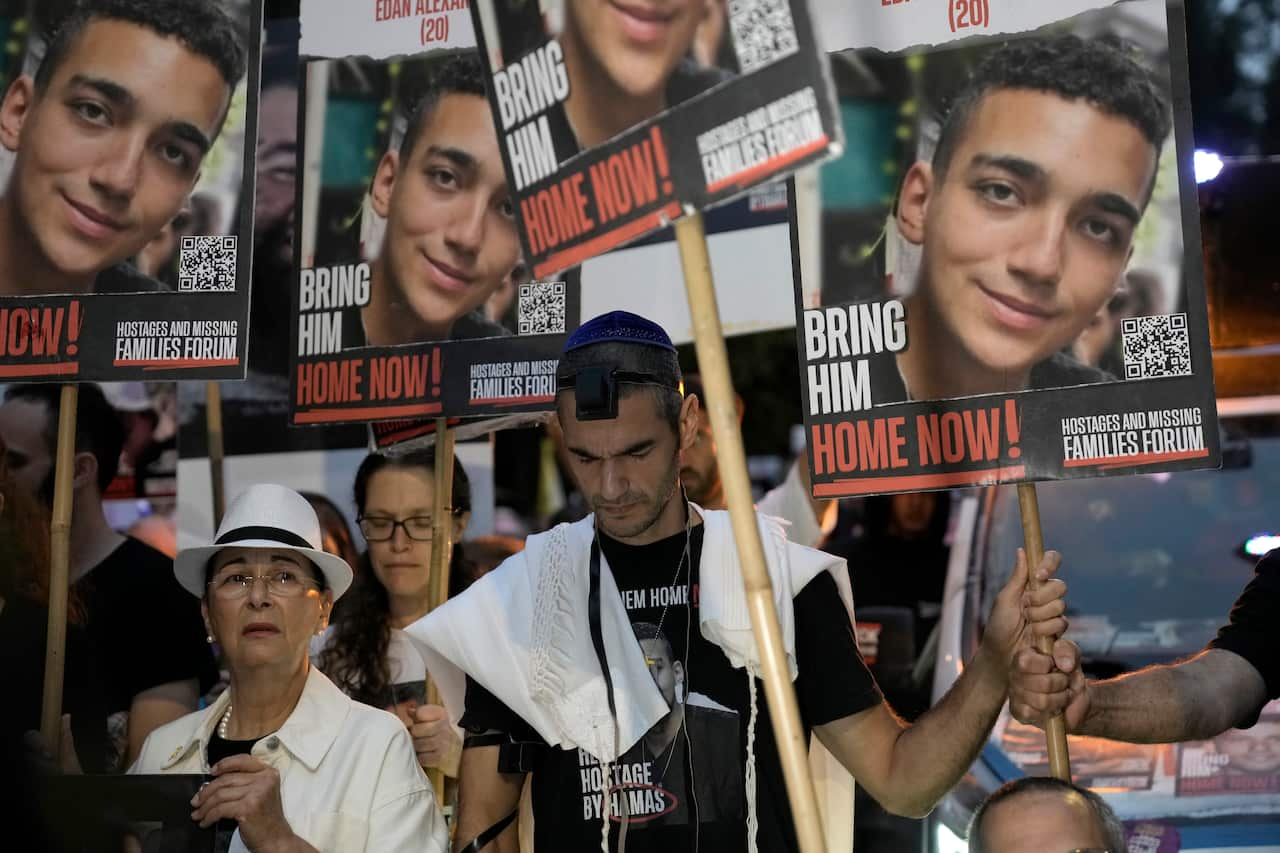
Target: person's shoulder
[353,327]
[700,707]
[365,722]
[1062,371]
[125,278]
[473,325]
[689,78]
[1266,575]
[374,727]
[162,744]
[131,561]
[141,557]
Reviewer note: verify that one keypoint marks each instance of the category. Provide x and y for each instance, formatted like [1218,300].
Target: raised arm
[1217,689]
[1193,699]
[908,768]
[486,797]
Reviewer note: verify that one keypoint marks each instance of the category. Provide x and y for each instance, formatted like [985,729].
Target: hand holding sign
[434,739]
[1021,612]
[247,791]
[1041,686]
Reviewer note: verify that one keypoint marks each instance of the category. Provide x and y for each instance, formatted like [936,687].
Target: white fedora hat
[265,515]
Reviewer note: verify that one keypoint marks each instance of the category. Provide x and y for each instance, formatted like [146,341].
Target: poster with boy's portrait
[126,147]
[1010,286]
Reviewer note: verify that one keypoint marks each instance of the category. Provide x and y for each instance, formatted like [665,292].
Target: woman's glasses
[282,583]
[378,528]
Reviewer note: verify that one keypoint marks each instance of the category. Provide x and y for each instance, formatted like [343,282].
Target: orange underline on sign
[601,243]
[55,369]
[401,435]
[774,164]
[916,482]
[513,401]
[367,413]
[1141,459]
[175,364]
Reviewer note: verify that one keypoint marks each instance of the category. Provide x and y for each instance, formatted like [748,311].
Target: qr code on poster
[1156,346]
[540,308]
[207,264]
[763,32]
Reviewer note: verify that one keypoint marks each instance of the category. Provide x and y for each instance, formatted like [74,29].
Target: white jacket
[349,779]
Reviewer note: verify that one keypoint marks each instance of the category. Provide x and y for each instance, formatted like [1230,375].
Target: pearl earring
[209,639]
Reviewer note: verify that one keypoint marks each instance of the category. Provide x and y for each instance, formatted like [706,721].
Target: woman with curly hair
[24,596]
[366,652]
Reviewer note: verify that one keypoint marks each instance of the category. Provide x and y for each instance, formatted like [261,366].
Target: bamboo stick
[213,427]
[59,570]
[441,550]
[1055,729]
[713,364]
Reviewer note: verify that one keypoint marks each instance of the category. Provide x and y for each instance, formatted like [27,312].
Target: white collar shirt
[349,778]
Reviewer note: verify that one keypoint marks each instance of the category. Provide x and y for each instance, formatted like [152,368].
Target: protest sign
[403,310]
[411,298]
[615,120]
[1011,287]
[128,192]
[1238,761]
[385,28]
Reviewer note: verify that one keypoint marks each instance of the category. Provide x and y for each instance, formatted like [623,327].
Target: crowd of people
[620,697]
[603,670]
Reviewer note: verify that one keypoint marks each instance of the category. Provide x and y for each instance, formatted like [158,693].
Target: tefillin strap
[596,389]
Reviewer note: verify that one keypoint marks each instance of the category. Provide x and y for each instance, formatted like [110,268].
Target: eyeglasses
[380,529]
[283,583]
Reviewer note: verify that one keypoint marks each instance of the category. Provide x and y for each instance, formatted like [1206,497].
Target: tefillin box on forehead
[595,390]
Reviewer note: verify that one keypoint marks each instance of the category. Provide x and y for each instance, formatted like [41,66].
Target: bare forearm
[1192,700]
[485,797]
[931,755]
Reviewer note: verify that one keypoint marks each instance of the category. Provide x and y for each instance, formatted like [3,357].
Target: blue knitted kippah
[619,326]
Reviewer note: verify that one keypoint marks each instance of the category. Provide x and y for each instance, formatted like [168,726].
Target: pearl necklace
[222,724]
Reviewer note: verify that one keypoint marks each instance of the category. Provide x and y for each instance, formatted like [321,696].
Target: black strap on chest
[597,634]
[478,843]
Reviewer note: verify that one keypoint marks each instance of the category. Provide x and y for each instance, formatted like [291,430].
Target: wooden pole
[713,364]
[59,571]
[1055,729]
[441,551]
[213,426]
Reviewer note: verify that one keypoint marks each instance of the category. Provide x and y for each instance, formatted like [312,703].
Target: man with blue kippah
[540,662]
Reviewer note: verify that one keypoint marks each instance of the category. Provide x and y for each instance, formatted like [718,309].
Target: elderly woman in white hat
[297,766]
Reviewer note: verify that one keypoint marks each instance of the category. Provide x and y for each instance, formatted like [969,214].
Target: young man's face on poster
[450,234]
[1027,234]
[1255,750]
[634,43]
[665,671]
[109,151]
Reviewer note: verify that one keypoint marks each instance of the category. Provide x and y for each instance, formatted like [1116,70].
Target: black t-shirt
[146,628]
[23,632]
[684,779]
[218,749]
[1251,631]
[125,278]
[473,324]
